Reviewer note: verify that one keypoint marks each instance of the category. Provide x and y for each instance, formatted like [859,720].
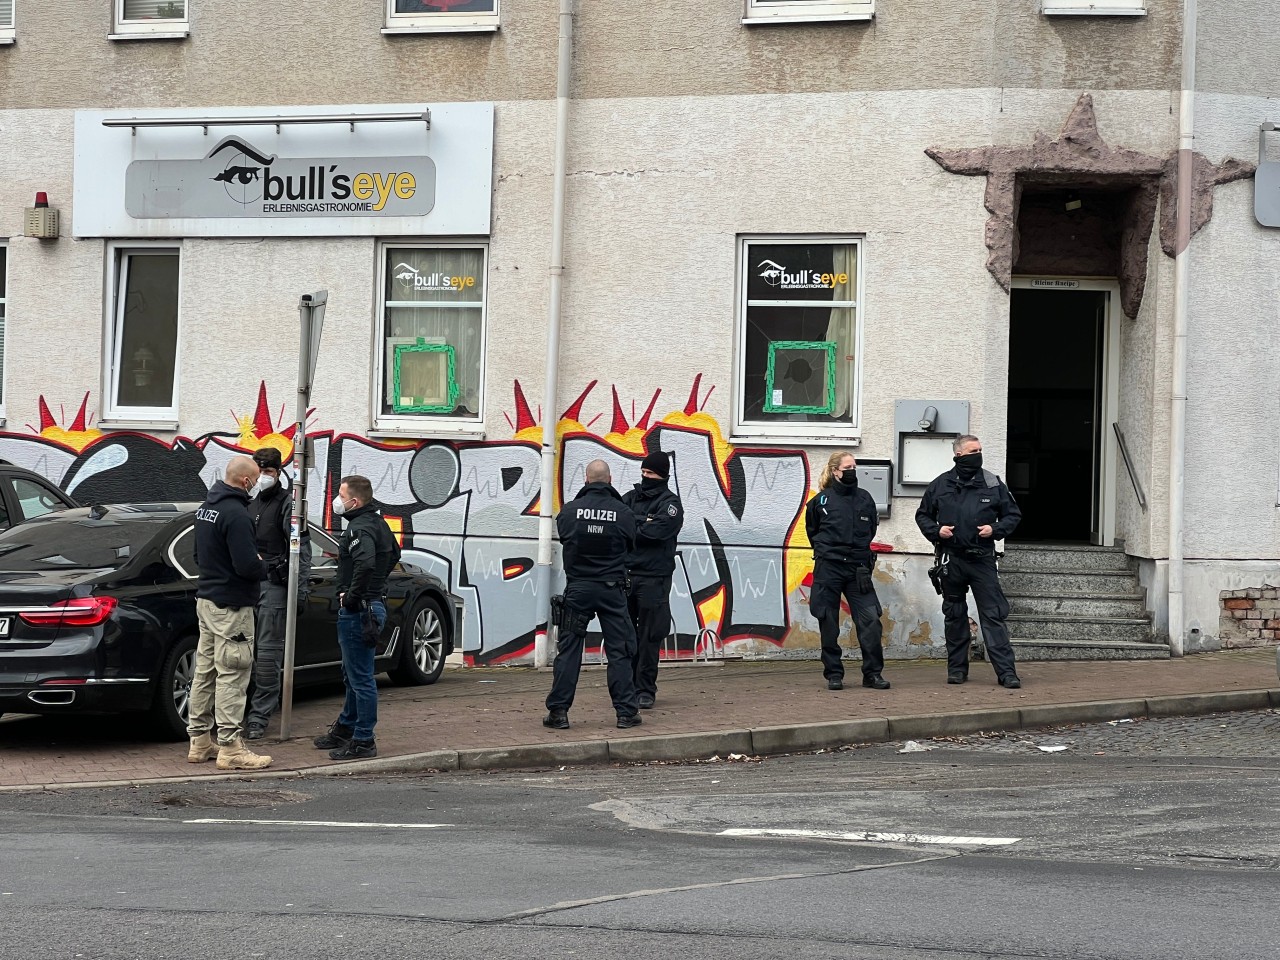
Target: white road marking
[325,823]
[875,837]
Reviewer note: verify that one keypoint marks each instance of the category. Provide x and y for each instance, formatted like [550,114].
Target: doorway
[1061,402]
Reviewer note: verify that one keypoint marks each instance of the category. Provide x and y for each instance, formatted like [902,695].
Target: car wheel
[173,692]
[425,639]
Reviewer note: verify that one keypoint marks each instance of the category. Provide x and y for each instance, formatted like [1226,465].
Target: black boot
[876,682]
[337,738]
[557,719]
[355,750]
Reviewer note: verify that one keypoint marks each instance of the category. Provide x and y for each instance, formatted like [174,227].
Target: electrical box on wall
[876,477]
[923,431]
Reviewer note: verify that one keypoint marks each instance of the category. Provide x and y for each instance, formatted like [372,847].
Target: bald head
[242,472]
[598,472]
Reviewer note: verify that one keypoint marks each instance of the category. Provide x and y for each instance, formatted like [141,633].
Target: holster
[938,572]
[557,610]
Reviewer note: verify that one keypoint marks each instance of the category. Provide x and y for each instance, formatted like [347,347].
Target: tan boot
[202,748]
[236,756]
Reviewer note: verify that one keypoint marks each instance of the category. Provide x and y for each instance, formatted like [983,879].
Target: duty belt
[972,553]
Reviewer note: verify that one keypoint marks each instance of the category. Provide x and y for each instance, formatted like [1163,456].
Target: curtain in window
[6,13]
[840,330]
[153,9]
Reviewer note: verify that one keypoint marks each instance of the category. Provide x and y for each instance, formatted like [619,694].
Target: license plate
[4,626]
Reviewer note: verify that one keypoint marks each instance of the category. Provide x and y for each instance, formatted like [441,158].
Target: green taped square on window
[424,377]
[800,377]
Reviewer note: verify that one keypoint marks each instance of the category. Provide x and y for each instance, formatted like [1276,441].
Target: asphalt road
[1122,845]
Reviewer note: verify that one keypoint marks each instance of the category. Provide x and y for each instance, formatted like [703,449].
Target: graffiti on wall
[468,512]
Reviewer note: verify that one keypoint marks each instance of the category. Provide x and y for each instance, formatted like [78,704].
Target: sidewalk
[482,718]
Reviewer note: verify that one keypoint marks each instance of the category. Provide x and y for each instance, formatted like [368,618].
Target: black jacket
[659,516]
[231,573]
[272,514]
[597,531]
[841,522]
[367,552]
[952,502]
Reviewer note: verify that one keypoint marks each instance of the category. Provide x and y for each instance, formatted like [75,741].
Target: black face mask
[969,464]
[849,478]
[652,483]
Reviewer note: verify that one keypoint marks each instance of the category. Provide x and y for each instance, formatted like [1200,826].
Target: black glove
[352,604]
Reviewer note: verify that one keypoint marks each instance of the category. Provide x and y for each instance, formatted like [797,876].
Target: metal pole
[299,515]
[1181,293]
[546,509]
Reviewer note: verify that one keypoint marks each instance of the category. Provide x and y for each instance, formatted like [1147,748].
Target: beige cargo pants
[223,668]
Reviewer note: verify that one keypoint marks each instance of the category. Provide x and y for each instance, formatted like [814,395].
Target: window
[4,296]
[430,362]
[421,16]
[158,19]
[798,338]
[182,554]
[1122,8]
[35,499]
[143,379]
[7,25]
[807,11]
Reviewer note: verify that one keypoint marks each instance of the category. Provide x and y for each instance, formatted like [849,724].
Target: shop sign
[238,179]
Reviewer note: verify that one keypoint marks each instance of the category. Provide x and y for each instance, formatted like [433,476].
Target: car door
[317,641]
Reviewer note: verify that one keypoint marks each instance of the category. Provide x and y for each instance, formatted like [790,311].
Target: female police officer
[841,522]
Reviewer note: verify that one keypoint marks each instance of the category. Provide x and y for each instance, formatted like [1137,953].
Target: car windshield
[81,543]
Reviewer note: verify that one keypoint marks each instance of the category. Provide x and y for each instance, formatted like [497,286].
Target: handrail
[1128,462]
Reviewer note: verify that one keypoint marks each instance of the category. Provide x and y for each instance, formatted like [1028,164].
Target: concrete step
[1124,605]
[1073,557]
[1029,582]
[1027,650]
[1131,629]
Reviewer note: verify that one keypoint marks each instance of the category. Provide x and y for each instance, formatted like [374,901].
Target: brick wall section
[1250,618]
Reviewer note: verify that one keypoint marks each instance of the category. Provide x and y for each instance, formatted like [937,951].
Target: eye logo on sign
[236,179]
[776,275]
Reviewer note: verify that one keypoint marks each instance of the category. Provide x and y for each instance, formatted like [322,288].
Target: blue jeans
[360,708]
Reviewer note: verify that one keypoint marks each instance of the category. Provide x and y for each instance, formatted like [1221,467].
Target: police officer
[367,552]
[964,512]
[841,521]
[596,534]
[271,511]
[659,517]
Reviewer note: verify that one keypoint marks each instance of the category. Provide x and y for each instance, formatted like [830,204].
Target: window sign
[798,336]
[431,364]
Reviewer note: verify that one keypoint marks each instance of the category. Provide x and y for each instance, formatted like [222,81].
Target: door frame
[1112,318]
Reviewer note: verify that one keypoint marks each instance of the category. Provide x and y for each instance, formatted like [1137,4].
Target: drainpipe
[1181,287]
[550,404]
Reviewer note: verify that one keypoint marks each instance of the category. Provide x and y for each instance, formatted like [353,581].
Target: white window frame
[810,434]
[9,31]
[169,29]
[4,329]
[758,12]
[1093,8]
[425,424]
[159,418]
[442,22]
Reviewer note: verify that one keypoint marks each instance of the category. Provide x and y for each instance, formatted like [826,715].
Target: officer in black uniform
[964,512]
[659,516]
[841,521]
[271,511]
[596,534]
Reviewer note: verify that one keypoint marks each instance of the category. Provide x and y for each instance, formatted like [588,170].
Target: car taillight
[76,612]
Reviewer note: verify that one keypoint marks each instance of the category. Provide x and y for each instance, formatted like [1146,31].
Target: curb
[758,741]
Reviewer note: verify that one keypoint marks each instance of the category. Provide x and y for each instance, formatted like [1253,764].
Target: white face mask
[339,506]
[265,483]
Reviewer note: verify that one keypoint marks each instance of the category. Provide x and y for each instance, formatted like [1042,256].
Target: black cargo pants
[583,600]
[831,580]
[650,607]
[977,572]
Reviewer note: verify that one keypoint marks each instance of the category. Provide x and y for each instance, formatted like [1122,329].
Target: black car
[25,495]
[98,615]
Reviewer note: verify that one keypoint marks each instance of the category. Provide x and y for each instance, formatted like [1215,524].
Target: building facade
[791,227]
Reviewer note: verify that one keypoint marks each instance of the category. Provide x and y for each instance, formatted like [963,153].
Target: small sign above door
[1055,284]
